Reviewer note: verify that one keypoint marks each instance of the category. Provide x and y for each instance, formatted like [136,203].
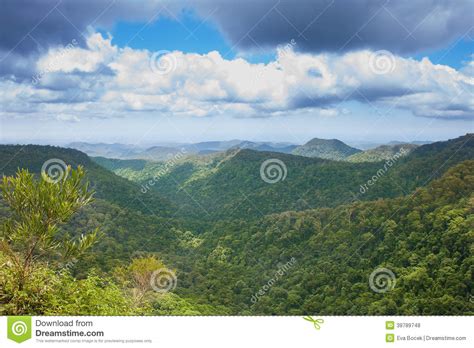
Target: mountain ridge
[381,153]
[416,220]
[325,148]
[309,182]
[106,183]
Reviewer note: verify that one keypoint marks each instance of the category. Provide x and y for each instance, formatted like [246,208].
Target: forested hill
[381,153]
[107,185]
[425,239]
[325,148]
[326,254]
[232,186]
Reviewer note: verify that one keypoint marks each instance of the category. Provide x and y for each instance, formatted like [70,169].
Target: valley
[226,231]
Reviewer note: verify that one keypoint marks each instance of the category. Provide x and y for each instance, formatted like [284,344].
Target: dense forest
[233,243]
[229,185]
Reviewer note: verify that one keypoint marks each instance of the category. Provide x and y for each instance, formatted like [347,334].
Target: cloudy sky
[148,72]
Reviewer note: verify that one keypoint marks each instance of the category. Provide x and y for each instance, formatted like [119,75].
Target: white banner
[226,332]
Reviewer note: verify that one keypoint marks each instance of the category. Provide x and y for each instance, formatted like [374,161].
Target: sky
[151,72]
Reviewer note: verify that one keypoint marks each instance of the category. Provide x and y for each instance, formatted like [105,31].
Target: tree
[140,277]
[38,208]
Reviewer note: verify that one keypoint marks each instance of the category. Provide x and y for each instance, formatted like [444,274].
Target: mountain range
[164,152]
[227,226]
[309,183]
[318,148]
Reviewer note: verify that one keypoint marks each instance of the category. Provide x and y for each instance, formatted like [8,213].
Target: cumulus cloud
[102,80]
[71,58]
[30,28]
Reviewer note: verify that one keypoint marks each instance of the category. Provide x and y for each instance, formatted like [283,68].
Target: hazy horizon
[352,142]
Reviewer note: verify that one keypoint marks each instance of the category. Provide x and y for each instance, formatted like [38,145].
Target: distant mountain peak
[333,149]
[316,141]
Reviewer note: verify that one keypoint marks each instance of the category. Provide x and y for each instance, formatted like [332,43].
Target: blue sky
[283,71]
[192,34]
[188,33]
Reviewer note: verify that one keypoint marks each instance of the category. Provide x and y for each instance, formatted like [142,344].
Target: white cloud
[107,81]
[71,58]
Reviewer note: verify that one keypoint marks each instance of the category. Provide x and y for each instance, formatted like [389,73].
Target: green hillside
[332,149]
[232,234]
[230,185]
[107,185]
[425,239]
[381,153]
